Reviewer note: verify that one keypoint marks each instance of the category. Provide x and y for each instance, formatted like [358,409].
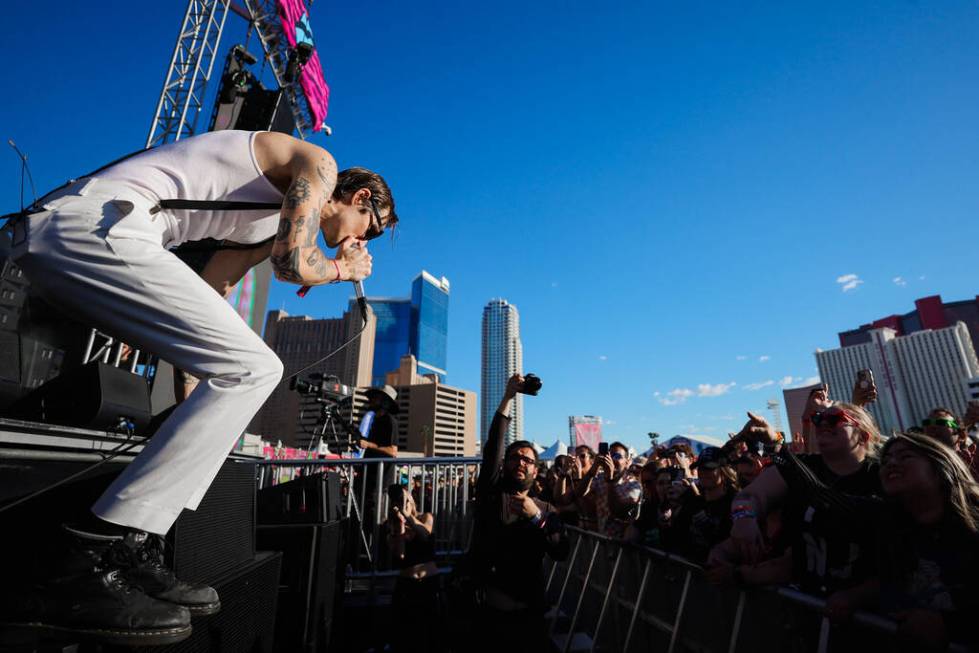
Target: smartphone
[865,379]
[603,448]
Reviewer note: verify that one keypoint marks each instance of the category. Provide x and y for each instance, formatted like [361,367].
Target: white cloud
[716,390]
[674,396]
[759,385]
[603,357]
[787,380]
[741,358]
[849,282]
[764,359]
[899,281]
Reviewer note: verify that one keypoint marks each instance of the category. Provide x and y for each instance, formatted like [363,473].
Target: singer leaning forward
[98,248]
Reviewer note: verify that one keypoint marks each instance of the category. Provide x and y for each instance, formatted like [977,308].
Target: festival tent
[559,448]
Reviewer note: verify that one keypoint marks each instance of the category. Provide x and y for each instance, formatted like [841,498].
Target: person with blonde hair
[821,554]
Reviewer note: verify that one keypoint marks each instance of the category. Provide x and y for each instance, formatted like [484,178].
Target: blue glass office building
[418,325]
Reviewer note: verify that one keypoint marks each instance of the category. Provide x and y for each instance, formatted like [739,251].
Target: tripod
[329,417]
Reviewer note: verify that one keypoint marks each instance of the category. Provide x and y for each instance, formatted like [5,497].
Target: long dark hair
[960,490]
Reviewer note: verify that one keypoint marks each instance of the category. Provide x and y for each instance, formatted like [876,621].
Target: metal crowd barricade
[445,490]
[613,596]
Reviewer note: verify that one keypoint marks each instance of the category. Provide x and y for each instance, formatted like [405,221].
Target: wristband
[337,266]
[538,518]
[743,511]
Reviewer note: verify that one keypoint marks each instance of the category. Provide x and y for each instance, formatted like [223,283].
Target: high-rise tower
[502,358]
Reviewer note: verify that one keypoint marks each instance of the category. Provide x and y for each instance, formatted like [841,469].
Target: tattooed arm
[295,255]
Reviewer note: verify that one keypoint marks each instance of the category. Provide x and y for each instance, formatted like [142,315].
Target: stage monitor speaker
[96,395]
[310,586]
[246,622]
[217,537]
[313,499]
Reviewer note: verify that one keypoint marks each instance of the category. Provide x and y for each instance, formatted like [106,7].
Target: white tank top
[217,165]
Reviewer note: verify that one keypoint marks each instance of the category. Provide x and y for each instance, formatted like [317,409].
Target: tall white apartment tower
[502,358]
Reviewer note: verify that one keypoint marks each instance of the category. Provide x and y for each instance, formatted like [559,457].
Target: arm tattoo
[287,265]
[284,230]
[317,262]
[312,232]
[298,192]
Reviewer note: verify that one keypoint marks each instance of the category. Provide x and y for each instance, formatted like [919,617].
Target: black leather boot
[87,597]
[158,581]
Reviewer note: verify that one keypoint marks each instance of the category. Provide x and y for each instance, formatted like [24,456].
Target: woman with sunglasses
[926,533]
[824,555]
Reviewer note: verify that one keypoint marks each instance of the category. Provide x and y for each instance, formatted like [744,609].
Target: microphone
[361,300]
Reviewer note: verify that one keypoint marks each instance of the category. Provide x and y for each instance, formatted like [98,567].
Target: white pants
[98,255]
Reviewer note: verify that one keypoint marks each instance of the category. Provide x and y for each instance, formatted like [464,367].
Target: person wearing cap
[378,424]
[708,514]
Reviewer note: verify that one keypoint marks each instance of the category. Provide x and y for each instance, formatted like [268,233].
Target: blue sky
[669,194]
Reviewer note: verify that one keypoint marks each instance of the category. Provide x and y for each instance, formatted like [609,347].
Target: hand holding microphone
[353,264]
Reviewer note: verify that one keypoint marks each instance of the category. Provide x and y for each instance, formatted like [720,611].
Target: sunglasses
[523,460]
[948,423]
[617,456]
[831,419]
[376,228]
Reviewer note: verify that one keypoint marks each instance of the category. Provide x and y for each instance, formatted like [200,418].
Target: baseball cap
[710,458]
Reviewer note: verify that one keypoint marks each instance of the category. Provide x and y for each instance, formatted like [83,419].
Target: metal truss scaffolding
[276,49]
[190,69]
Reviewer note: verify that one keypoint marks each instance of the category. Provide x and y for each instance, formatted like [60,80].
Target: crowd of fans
[867,522]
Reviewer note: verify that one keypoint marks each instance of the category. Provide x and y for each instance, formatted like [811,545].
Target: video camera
[328,393]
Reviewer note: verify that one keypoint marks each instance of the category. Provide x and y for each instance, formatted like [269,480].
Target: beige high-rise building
[299,341]
[434,419]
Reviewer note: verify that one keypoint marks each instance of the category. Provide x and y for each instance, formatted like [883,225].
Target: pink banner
[590,434]
[295,25]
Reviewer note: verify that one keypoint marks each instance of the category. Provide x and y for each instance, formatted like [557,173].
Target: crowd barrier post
[608,592]
[581,597]
[635,610]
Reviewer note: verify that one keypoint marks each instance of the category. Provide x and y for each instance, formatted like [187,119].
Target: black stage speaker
[219,536]
[313,499]
[95,395]
[246,622]
[310,586]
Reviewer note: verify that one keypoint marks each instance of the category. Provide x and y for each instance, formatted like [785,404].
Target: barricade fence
[441,486]
[610,595]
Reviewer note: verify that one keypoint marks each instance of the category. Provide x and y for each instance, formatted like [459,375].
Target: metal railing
[445,489]
[610,595]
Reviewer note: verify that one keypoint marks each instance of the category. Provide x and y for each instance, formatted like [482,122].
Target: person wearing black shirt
[706,515]
[512,534]
[926,534]
[379,430]
[378,424]
[826,555]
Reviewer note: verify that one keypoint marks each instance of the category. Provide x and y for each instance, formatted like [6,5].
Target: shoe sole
[155,637]
[202,610]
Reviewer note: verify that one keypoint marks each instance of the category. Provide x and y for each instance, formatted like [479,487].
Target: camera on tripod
[317,383]
[328,393]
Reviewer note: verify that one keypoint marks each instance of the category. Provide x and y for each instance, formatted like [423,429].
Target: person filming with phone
[512,534]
